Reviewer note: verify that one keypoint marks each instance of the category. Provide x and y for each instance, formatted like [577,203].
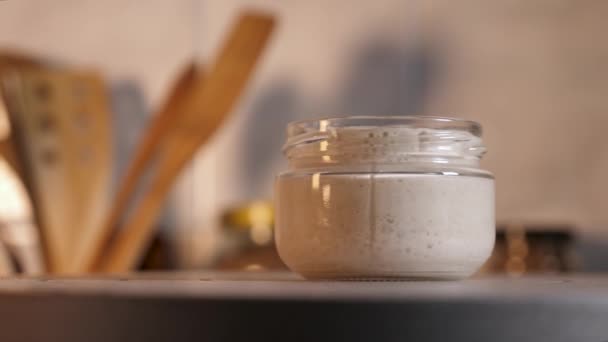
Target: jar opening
[384,140]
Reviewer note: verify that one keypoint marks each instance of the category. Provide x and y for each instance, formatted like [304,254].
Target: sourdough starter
[384,225]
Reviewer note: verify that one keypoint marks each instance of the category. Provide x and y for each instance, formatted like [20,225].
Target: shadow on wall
[129,119]
[388,80]
[276,106]
[384,79]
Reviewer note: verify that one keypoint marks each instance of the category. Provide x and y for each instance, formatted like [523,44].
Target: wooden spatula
[202,113]
[62,123]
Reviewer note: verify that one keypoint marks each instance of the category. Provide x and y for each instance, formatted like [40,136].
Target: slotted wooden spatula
[201,112]
[63,130]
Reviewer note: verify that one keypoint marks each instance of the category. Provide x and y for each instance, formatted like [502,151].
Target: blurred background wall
[532,72]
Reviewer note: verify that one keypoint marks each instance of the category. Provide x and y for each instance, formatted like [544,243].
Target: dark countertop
[269,307]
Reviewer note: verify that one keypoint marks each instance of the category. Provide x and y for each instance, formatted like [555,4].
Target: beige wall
[535,73]
[143,40]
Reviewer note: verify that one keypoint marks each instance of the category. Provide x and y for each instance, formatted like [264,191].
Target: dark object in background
[592,249]
[532,249]
[158,256]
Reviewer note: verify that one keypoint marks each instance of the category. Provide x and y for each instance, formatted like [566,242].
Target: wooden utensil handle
[146,150]
[125,250]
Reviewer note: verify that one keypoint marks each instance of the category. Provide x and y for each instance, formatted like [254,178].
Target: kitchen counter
[277,306]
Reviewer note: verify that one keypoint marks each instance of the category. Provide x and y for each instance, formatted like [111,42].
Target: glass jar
[384,198]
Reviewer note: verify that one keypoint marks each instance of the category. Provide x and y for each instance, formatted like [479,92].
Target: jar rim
[387,140]
[296,128]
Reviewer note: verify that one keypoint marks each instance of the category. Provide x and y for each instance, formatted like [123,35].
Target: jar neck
[386,148]
[396,163]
